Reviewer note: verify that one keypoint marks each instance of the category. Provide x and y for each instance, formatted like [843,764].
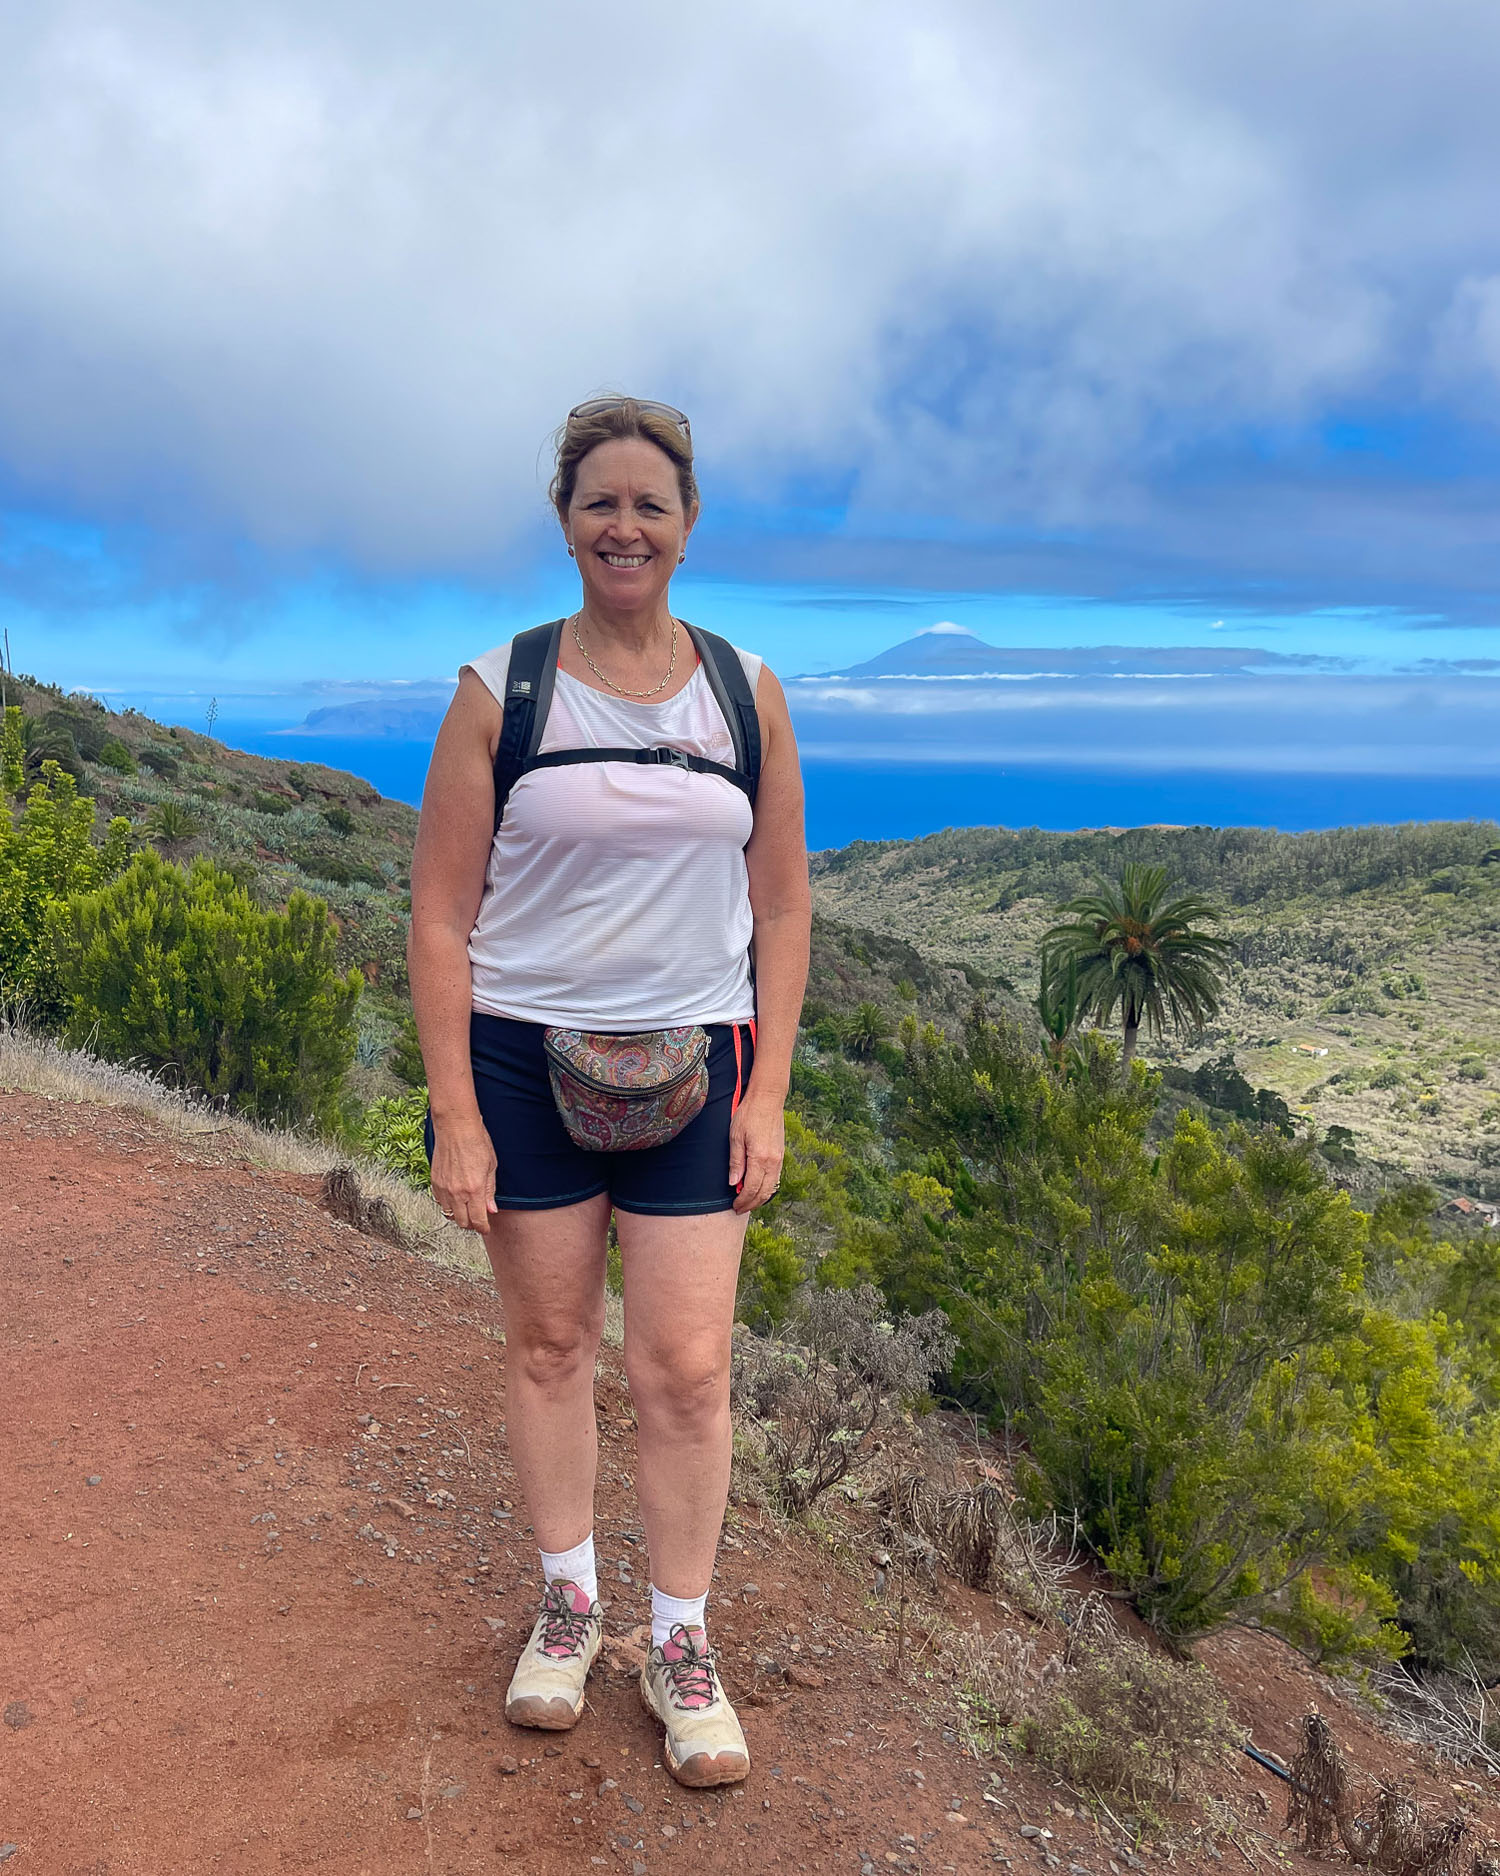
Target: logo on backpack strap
[521,687]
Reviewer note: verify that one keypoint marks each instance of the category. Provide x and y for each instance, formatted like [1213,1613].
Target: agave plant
[1133,950]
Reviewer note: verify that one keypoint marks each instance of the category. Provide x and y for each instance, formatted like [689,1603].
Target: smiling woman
[612,824]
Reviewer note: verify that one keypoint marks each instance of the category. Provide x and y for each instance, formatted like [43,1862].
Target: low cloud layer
[1150,300]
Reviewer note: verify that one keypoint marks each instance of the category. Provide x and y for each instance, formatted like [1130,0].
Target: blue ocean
[850,800]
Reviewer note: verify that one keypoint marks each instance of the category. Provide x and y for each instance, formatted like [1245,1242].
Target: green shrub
[405,1059]
[160,762]
[1186,1340]
[12,751]
[1345,1623]
[339,872]
[180,971]
[1471,1068]
[44,857]
[323,866]
[339,818]
[392,1133]
[771,1272]
[113,754]
[269,804]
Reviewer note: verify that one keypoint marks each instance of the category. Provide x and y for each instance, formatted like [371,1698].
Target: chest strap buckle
[665,758]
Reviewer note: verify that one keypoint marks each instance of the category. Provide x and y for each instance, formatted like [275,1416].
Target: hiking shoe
[680,1685]
[547,1687]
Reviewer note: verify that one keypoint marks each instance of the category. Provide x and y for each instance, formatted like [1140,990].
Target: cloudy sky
[1067,321]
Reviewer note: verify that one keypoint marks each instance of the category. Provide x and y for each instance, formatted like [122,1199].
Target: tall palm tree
[1141,953]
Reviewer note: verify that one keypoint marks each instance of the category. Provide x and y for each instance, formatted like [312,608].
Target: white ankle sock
[668,1611]
[574,1566]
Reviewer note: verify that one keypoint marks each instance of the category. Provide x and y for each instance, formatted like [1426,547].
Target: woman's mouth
[626,561]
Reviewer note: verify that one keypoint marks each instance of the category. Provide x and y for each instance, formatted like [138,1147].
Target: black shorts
[538,1167]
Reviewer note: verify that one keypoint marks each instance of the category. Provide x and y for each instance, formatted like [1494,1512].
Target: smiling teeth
[626,560]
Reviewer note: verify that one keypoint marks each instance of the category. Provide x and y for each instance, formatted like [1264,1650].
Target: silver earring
[680,558]
[571,554]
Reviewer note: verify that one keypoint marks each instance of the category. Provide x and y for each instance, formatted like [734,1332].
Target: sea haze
[945,730]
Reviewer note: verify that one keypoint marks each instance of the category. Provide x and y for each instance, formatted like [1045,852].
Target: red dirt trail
[212,1662]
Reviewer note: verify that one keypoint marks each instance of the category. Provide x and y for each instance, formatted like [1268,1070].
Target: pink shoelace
[565,1625]
[690,1668]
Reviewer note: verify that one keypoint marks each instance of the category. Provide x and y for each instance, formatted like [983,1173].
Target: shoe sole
[702,1770]
[548,1716]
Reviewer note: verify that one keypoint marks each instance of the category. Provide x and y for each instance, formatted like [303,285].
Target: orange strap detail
[739,1066]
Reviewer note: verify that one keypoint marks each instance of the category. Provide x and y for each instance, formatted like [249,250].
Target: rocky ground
[266,1570]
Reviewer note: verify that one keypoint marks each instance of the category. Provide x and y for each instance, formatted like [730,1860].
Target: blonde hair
[579,435]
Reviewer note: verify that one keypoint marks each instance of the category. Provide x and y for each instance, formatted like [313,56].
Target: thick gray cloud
[1073,277]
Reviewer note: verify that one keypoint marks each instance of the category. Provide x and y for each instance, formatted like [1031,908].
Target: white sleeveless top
[617,897]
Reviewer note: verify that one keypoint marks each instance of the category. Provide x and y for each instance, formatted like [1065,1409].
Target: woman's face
[626,523]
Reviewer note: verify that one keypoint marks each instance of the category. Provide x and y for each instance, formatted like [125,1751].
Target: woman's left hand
[757,1146]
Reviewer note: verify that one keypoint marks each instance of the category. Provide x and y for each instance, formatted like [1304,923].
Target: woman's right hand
[463,1173]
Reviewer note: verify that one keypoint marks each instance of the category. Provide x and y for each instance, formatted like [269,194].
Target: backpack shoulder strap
[528,697]
[731,688]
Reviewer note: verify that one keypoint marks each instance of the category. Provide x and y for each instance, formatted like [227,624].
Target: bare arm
[781,902]
[447,883]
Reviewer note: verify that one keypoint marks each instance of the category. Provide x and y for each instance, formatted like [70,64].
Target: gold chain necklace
[671,664]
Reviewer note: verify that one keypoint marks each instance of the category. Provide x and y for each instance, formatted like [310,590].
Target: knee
[552,1356]
[685,1385]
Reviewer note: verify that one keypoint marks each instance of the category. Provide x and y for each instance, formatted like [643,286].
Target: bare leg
[680,1278]
[549,1267]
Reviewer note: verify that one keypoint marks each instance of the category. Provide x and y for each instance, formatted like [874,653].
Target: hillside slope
[1366,989]
[266,1574]
[1380,945]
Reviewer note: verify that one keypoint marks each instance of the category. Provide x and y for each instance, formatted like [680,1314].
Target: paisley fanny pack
[619,1092]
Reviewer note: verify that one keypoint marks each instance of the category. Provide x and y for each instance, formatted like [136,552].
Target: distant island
[951,651]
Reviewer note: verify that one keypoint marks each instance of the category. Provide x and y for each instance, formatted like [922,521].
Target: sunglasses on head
[596,406]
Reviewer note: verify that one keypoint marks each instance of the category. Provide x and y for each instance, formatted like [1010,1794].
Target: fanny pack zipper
[625,1094]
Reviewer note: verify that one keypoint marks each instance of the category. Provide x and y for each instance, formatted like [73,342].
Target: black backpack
[528,697]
